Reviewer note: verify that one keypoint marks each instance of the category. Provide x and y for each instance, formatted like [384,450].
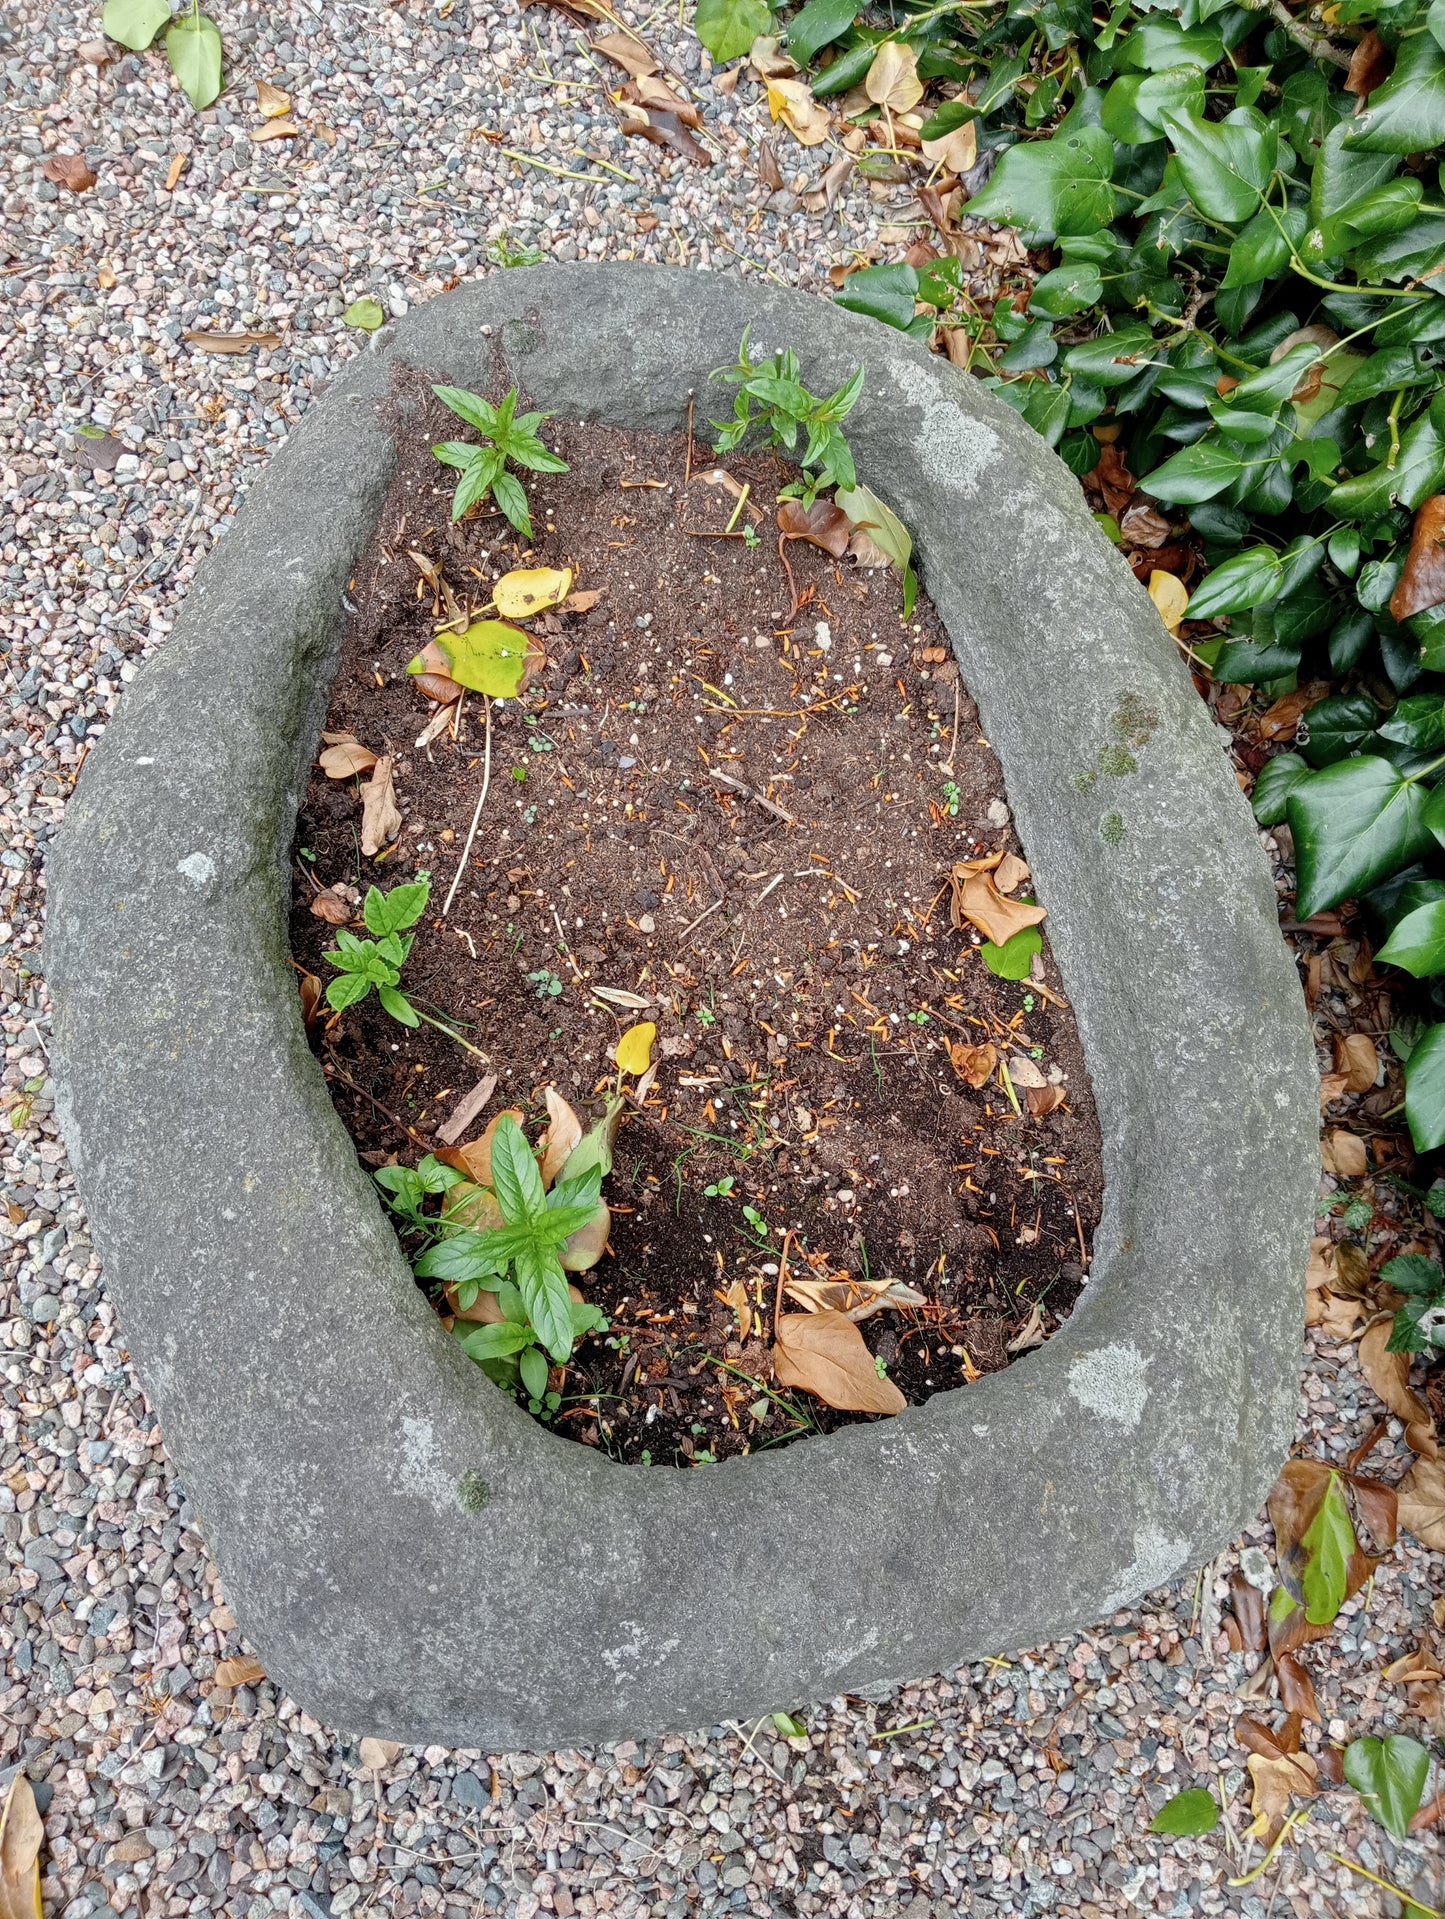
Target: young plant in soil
[483,468]
[364,964]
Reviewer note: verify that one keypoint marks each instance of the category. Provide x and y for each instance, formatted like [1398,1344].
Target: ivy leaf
[1134,104]
[1243,580]
[1389,1774]
[1328,1541]
[1418,472]
[1353,823]
[1425,1090]
[1013,959]
[1276,782]
[1412,1273]
[1113,359]
[1417,944]
[1188,1814]
[728,28]
[1406,114]
[1052,187]
[193,46]
[1226,164]
[135,23]
[1262,248]
[888,293]
[820,22]
[1340,181]
[368,314]
[1199,472]
[1336,727]
[1067,289]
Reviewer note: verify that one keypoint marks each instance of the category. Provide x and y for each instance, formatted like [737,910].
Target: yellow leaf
[490,657]
[272,101]
[893,80]
[21,1832]
[531,589]
[379,1753]
[1168,594]
[634,1049]
[792,102]
[243,1670]
[957,151]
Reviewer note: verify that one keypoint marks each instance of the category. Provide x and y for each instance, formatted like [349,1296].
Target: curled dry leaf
[312,996]
[768,61]
[973,1064]
[1248,1603]
[440,688]
[1357,1059]
[1144,526]
[380,816]
[229,342]
[1026,1072]
[332,908]
[346,759]
[1031,1333]
[627,52]
[271,101]
[831,182]
[378,1754]
[1011,871]
[859,1299]
[736,1296]
[564,1131]
[466,1110]
[956,152]
[825,1354]
[475,1158]
[768,170]
[1344,1154]
[1277,1780]
[1296,1688]
[1421,1496]
[977,901]
[1422,584]
[1389,1378]
[21,1833]
[892,81]
[243,1670]
[69,170]
[1042,1100]
[275,130]
[792,103]
[664,126]
[822,524]
[1370,65]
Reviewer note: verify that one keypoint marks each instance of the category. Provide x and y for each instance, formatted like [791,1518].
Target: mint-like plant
[376,963]
[771,397]
[508,437]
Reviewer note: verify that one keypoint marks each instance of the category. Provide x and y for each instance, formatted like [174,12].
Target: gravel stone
[95,565]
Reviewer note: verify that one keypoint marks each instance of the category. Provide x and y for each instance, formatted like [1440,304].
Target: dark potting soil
[744,815]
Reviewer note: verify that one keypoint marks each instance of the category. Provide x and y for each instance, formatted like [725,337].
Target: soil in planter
[744,816]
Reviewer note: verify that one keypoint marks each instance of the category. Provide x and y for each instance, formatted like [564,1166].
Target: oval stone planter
[409,1552]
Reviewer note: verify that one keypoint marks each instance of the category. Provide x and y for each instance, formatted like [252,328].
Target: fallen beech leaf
[1357,1059]
[174,171]
[332,908]
[466,1110]
[1432,1813]
[892,80]
[95,52]
[583,602]
[531,589]
[1421,1495]
[627,52]
[1248,1603]
[483,1311]
[346,759]
[1113,479]
[973,1064]
[653,92]
[475,1158]
[825,1354]
[378,1754]
[633,1051]
[792,102]
[663,127]
[1276,1782]
[831,182]
[21,1833]
[473,1206]
[69,170]
[562,1134]
[228,342]
[1389,1377]
[1332,1087]
[380,816]
[822,523]
[1415,1668]
[977,900]
[1346,1154]
[243,1670]
[767,59]
[1281,720]
[1170,597]
[1422,584]
[768,170]
[956,152]
[1031,1333]
[859,1299]
[271,101]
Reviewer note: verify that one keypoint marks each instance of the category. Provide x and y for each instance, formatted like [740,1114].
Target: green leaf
[1417,944]
[593,1152]
[1067,289]
[887,293]
[398,1005]
[403,906]
[1134,104]
[1243,580]
[490,657]
[1112,359]
[1417,473]
[1353,823]
[491,1342]
[1419,723]
[508,494]
[1277,381]
[1225,164]
[728,28]
[1328,1541]
[1012,959]
[1200,471]
[515,1179]
[818,23]
[1414,1274]
[470,407]
[1382,372]
[135,23]
[464,1256]
[1157,43]
[193,46]
[1262,248]
[1389,1774]
[368,314]
[1407,113]
[534,1371]
[347,989]
[1341,181]
[1425,1090]
[1188,1814]
[883,526]
[1052,187]
[546,1294]
[1336,726]
[1277,780]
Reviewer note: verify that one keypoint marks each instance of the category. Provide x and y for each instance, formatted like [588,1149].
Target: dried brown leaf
[1294,1501]
[1344,1154]
[977,900]
[380,817]
[1144,526]
[1011,871]
[378,1754]
[346,759]
[21,1833]
[792,102]
[1248,1603]
[627,51]
[1389,1377]
[1357,1058]
[1031,1333]
[1276,1782]
[584,601]
[1421,1495]
[466,1110]
[312,996]
[974,1064]
[892,80]
[242,1670]
[275,130]
[956,152]
[767,59]
[1296,1688]
[439,687]
[737,1297]
[860,1299]
[271,101]
[475,1158]
[821,524]
[1026,1072]
[1422,584]
[825,1354]
[229,342]
[332,908]
[562,1134]
[69,170]
[1370,65]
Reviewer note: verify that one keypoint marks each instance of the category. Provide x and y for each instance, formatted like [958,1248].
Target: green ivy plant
[1419,1323]
[193,42]
[508,437]
[1246,276]
[375,964]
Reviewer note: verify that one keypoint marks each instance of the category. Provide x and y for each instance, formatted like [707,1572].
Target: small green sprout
[483,468]
[785,408]
[720,1188]
[547,983]
[364,964]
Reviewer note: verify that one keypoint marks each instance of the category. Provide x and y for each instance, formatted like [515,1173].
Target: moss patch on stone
[474,1495]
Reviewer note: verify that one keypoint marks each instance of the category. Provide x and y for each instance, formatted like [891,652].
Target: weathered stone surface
[337,1444]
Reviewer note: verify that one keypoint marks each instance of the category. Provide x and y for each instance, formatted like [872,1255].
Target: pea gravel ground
[165,1793]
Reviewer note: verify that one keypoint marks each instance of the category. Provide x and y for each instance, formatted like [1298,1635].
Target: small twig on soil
[953,743]
[687,471]
[700,918]
[782,1281]
[466,1110]
[566,949]
[787,568]
[768,889]
[481,802]
[418,1139]
[758,799]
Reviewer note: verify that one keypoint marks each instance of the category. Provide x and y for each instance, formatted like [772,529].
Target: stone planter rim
[412,1555]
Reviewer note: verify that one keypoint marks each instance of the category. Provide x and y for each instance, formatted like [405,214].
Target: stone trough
[410,1554]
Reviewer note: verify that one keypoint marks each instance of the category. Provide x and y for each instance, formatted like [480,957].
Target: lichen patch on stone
[1157,1557]
[1110,1382]
[198,868]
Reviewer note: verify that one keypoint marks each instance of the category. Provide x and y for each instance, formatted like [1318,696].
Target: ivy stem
[1314,44]
[1410,779]
[1395,432]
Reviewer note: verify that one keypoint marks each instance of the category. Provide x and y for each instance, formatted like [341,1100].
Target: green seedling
[720,1188]
[376,963]
[772,399]
[547,983]
[509,438]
